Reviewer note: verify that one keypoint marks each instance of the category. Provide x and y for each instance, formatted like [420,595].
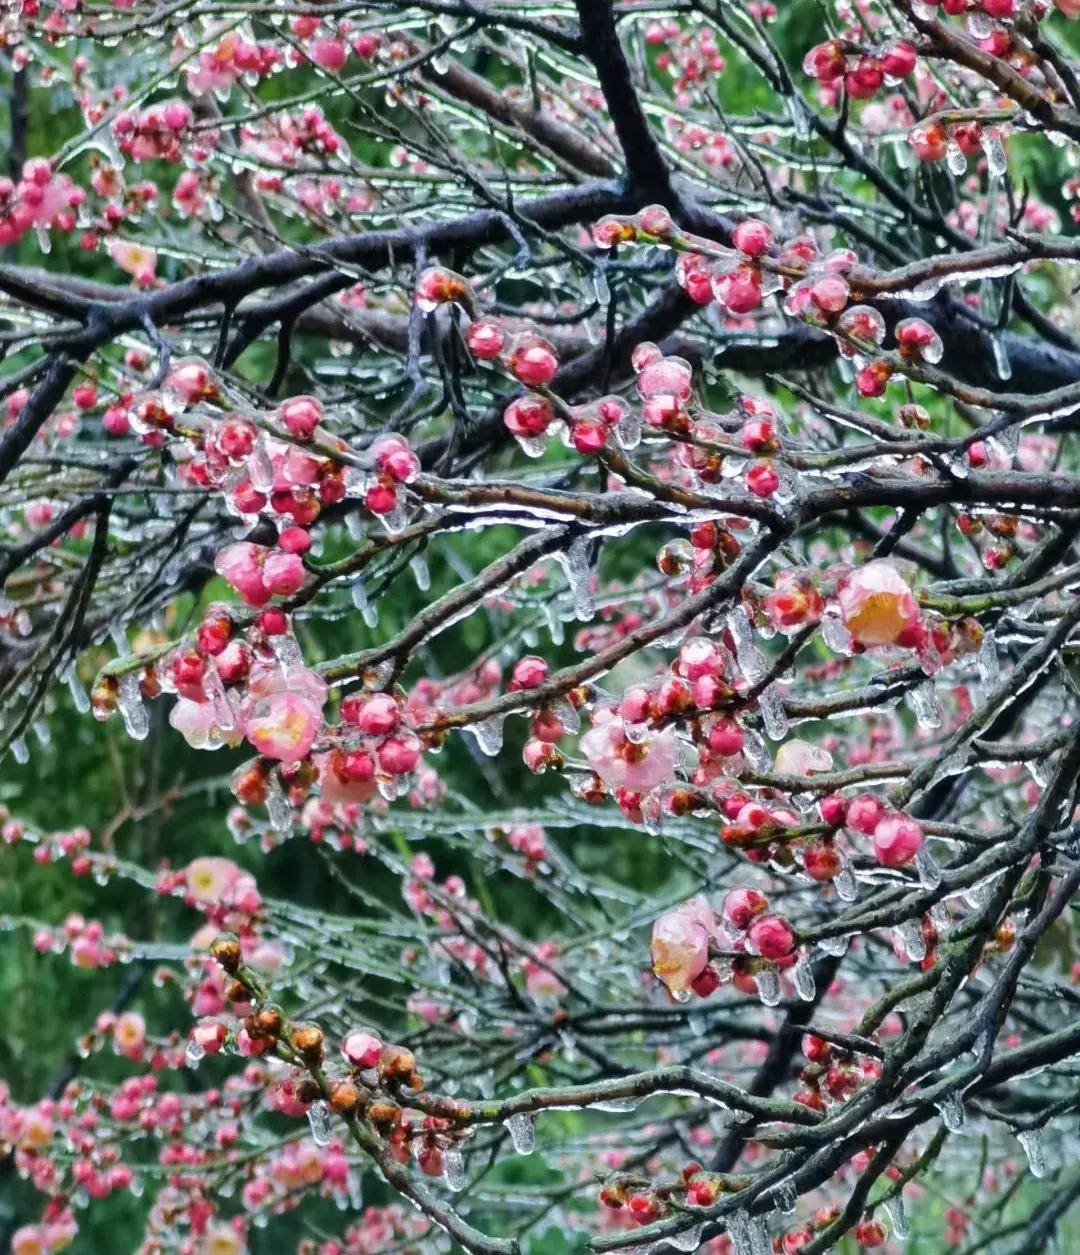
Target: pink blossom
[876,605]
[283,725]
[897,839]
[624,764]
[680,943]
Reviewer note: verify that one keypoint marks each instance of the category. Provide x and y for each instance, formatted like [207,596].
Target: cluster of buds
[861,72]
[157,132]
[40,199]
[832,1074]
[694,950]
[896,837]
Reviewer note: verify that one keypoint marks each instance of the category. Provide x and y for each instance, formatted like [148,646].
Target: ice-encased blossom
[801,758]
[680,943]
[283,726]
[876,605]
[625,764]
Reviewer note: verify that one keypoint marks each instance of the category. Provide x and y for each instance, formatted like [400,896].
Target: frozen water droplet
[422,574]
[988,663]
[79,696]
[803,976]
[278,807]
[130,704]
[522,1133]
[911,938]
[836,946]
[923,700]
[1032,1142]
[454,1169]
[368,611]
[193,1053]
[682,995]
[846,888]
[578,569]
[768,985]
[318,1117]
[953,1115]
[773,715]
[955,159]
[488,733]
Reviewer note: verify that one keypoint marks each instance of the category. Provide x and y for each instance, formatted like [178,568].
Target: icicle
[846,888]
[579,575]
[79,696]
[911,938]
[803,976]
[894,1208]
[923,700]
[955,159]
[193,1053]
[759,1237]
[278,807]
[1032,1142]
[786,1194]
[522,1133]
[318,1116]
[368,612]
[768,985]
[421,573]
[953,1115]
[488,733]
[454,1169]
[988,663]
[687,1240]
[836,946]
[926,866]
[773,715]
[738,1228]
[748,656]
[130,704]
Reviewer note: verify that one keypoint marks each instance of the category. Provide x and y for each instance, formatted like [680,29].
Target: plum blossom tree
[688,391]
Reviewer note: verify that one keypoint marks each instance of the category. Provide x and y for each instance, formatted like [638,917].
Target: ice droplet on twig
[923,700]
[803,976]
[1032,1142]
[768,985]
[522,1133]
[488,734]
[368,611]
[454,1169]
[786,1193]
[79,696]
[20,751]
[318,1117]
[193,1053]
[988,663]
[773,715]
[846,888]
[278,807]
[130,704]
[738,1228]
[911,938]
[953,1115]
[578,569]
